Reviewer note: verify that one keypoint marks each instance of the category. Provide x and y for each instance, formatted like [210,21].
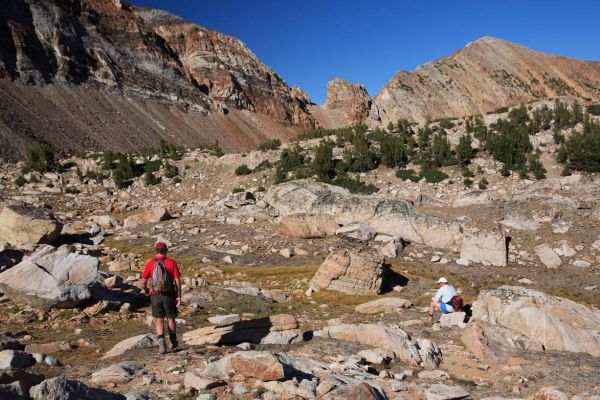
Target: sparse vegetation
[20,181]
[171,171]
[72,190]
[42,159]
[483,184]
[150,179]
[243,170]
[272,144]
[594,109]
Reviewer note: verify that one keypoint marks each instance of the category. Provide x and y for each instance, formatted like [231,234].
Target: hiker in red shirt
[165,290]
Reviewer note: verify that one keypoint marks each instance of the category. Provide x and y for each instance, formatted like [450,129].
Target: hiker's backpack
[162,282]
[456,302]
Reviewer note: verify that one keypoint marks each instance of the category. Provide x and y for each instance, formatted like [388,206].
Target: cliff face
[108,48]
[487,74]
[347,104]
[226,70]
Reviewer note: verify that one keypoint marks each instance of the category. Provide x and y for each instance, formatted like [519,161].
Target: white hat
[442,280]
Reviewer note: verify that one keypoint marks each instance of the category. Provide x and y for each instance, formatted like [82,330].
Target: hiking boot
[161,347]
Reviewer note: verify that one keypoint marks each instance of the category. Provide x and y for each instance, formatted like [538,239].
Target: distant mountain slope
[180,76]
[485,75]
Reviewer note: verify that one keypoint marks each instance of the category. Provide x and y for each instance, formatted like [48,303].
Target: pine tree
[441,149]
[464,151]
[323,165]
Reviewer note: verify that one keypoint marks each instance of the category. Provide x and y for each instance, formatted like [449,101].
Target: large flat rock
[51,277]
[551,322]
[25,224]
[385,216]
[414,352]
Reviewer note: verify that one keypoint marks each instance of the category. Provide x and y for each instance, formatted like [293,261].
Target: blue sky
[310,42]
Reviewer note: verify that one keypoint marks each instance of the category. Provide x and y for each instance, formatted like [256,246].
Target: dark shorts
[164,306]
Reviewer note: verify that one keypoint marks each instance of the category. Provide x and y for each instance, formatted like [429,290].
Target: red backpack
[457,303]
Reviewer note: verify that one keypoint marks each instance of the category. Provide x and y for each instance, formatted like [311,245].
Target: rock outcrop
[51,277]
[547,256]
[262,365]
[132,343]
[387,304]
[350,101]
[420,352]
[277,329]
[24,224]
[351,271]
[68,389]
[550,322]
[486,342]
[390,217]
[307,226]
[484,247]
[151,215]
[487,74]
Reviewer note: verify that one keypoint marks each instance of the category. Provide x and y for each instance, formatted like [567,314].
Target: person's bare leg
[158,323]
[432,307]
[160,332]
[172,326]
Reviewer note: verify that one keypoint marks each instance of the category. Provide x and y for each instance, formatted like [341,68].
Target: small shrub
[537,169]
[150,179]
[483,184]
[272,144]
[479,169]
[171,171]
[446,123]
[213,149]
[467,182]
[558,137]
[433,175]
[594,109]
[566,171]
[79,174]
[505,171]
[263,165]
[42,159]
[72,190]
[176,179]
[152,166]
[354,185]
[100,177]
[20,181]
[261,189]
[238,190]
[467,173]
[243,170]
[523,174]
[407,174]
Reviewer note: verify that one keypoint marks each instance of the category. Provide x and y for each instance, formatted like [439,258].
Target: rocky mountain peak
[485,75]
[352,99]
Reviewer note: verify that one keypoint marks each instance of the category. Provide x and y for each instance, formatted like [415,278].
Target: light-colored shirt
[445,294]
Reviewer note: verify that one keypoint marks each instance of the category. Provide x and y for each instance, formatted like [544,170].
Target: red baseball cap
[160,246]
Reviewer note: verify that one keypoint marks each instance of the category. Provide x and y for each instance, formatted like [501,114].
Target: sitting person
[446,299]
